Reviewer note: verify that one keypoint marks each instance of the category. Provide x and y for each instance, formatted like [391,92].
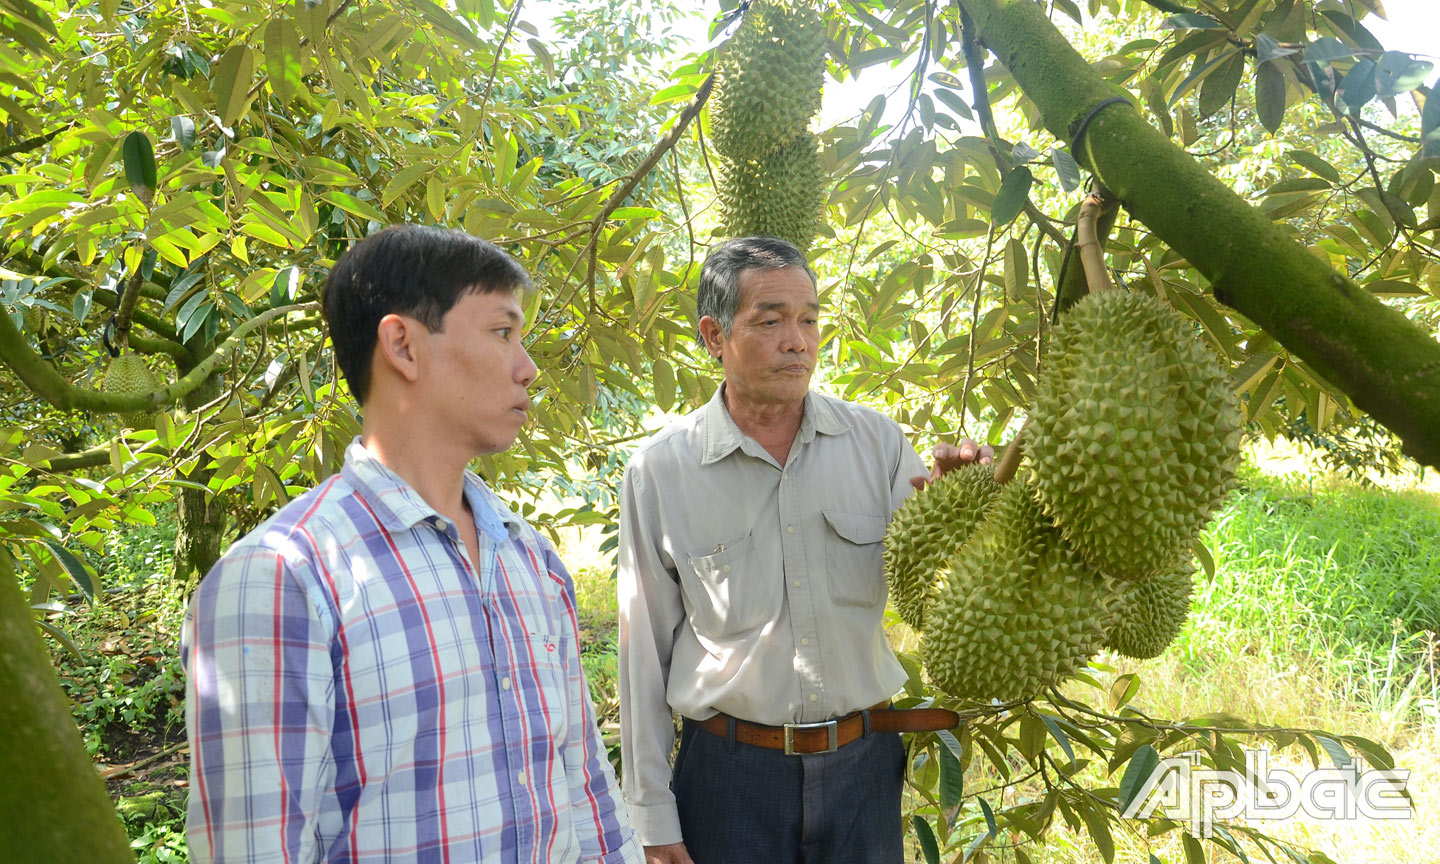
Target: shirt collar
[399,507]
[720,435]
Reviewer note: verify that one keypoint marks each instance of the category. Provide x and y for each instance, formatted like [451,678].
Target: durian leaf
[1010,200]
[1141,766]
[1059,735]
[1032,737]
[62,637]
[1202,554]
[1194,852]
[1131,739]
[952,779]
[1123,690]
[1337,752]
[1375,754]
[926,837]
[139,156]
[80,576]
[1099,831]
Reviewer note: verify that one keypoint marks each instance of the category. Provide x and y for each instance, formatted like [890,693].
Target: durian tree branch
[153,323]
[45,382]
[127,309]
[1384,362]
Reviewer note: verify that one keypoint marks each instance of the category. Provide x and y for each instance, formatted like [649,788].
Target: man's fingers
[919,481]
[968,448]
[671,853]
[986,454]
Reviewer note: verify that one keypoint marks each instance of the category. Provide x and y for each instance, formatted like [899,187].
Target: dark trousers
[741,804]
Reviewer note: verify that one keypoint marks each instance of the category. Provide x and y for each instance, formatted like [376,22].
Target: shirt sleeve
[910,465]
[650,610]
[260,702]
[599,819]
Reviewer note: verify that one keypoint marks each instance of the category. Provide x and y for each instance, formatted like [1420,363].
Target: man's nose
[526,371]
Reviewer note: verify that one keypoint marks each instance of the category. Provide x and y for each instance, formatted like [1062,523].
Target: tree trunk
[1383,361]
[199,525]
[55,805]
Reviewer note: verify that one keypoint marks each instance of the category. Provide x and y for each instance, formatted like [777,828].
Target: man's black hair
[412,270]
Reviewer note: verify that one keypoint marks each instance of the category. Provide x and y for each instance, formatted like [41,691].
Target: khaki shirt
[751,589]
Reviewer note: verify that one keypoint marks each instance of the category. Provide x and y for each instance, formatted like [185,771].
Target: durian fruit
[929,529]
[1018,611]
[781,195]
[1135,433]
[1147,616]
[768,80]
[128,375]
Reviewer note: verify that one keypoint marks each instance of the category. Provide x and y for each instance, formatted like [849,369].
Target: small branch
[1087,243]
[1010,462]
[124,770]
[30,144]
[495,67]
[127,308]
[48,384]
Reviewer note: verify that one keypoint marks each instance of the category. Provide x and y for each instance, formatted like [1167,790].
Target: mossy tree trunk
[1385,363]
[200,521]
[55,805]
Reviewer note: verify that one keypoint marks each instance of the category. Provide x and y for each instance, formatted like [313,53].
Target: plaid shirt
[357,692]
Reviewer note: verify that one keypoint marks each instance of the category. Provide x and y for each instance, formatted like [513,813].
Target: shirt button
[804,640]
[505,683]
[789,529]
[521,778]
[726,568]
[813,697]
[795,584]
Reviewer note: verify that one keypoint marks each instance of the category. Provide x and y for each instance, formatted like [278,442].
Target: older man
[388,668]
[752,595]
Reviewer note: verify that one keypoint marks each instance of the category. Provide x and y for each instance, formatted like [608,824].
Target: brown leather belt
[801,739]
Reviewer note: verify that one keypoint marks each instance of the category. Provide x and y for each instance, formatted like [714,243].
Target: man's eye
[504,333]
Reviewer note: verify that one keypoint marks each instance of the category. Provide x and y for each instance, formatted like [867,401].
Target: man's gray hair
[719,294]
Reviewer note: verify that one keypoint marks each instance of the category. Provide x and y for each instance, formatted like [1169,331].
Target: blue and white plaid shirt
[358,693]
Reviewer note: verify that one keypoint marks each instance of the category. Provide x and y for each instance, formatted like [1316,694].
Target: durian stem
[1010,461]
[127,308]
[1087,243]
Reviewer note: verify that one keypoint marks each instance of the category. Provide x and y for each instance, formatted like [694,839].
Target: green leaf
[282,59]
[84,582]
[926,837]
[231,83]
[1202,554]
[182,130]
[1268,48]
[1010,200]
[1194,852]
[139,158]
[1219,86]
[1327,50]
[953,101]
[990,827]
[62,637]
[1099,831]
[1358,86]
[1059,735]
[1337,752]
[1191,21]
[1123,690]
[1270,96]
[1141,766]
[952,780]
[1315,165]
[1067,168]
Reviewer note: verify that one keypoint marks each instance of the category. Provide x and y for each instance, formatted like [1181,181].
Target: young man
[387,669]
[752,593]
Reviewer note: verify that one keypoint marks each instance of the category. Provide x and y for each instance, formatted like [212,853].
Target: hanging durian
[1018,610]
[780,195]
[127,375]
[1135,433]
[768,79]
[1148,615]
[929,529]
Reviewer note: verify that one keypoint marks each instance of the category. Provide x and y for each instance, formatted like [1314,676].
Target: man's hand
[672,853]
[951,456]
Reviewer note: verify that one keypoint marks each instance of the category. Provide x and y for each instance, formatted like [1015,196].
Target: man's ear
[398,345]
[713,335]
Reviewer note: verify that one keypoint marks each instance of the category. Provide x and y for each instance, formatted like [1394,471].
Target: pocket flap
[858,528]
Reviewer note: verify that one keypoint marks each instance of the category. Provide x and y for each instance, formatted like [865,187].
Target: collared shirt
[358,692]
[749,588]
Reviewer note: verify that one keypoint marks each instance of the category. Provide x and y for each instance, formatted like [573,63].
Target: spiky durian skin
[1135,433]
[1018,610]
[1147,616]
[128,375]
[768,80]
[928,529]
[781,195]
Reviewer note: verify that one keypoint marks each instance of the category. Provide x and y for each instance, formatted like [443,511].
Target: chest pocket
[726,593]
[853,558]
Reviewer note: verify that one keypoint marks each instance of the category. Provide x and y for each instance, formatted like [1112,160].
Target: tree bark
[1385,363]
[55,805]
[199,526]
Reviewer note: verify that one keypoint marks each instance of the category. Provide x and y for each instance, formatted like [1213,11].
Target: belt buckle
[834,738]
